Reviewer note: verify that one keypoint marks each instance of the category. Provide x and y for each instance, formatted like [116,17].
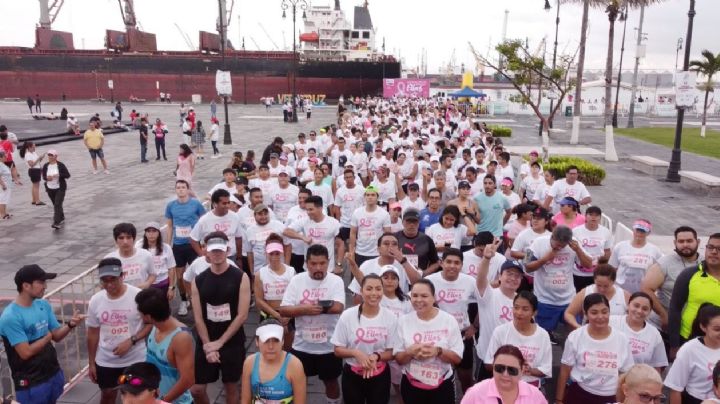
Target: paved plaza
[138,193]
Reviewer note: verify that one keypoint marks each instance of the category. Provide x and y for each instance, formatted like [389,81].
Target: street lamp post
[678,48]
[673,174]
[623,17]
[293,5]
[638,54]
[227,137]
[554,62]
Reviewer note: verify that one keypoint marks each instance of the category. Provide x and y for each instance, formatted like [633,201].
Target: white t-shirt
[254,241]
[283,199]
[525,238]
[228,224]
[541,192]
[296,214]
[52,170]
[273,284]
[118,320]
[136,268]
[266,186]
[372,267]
[198,266]
[33,156]
[387,190]
[396,306]
[162,263]
[322,233]
[368,335]
[230,188]
[441,331]
[632,263]
[313,333]
[553,281]
[453,297]
[536,348]
[618,305]
[323,191]
[513,199]
[597,364]
[494,309]
[692,369]
[348,199]
[471,264]
[594,242]
[646,345]
[418,204]
[530,185]
[441,236]
[370,226]
[560,189]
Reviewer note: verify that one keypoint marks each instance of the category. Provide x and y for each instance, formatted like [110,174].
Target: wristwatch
[172,287]
[403,261]
[133,339]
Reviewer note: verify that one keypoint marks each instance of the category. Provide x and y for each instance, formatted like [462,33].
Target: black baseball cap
[411,214]
[483,238]
[139,377]
[511,264]
[31,273]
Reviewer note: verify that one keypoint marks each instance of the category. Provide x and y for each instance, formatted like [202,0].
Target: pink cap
[274,247]
[395,205]
[506,181]
[53,152]
[313,160]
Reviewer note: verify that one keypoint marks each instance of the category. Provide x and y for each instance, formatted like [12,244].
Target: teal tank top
[157,355]
[276,391]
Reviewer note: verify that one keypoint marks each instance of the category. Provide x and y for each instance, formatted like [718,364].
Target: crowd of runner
[463,273]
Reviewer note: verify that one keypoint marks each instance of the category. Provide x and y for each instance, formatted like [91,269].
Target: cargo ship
[334,58]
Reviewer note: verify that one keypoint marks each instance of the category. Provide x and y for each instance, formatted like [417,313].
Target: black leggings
[214,145]
[356,390]
[444,393]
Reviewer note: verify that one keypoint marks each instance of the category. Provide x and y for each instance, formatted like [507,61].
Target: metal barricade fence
[73,295]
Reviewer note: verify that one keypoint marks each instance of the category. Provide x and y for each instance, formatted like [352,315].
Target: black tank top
[218,291]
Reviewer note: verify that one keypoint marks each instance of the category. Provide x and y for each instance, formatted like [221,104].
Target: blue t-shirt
[428,218]
[184,217]
[492,211]
[20,324]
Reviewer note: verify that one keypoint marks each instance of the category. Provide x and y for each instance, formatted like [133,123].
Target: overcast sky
[408,26]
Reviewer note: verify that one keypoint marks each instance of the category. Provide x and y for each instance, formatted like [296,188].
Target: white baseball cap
[268,331]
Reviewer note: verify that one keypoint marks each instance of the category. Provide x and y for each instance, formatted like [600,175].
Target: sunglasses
[648,398]
[511,370]
[130,380]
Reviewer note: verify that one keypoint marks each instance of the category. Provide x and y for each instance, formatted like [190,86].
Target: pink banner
[406,88]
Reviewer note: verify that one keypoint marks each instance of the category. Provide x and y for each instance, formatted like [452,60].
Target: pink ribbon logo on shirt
[443,297]
[417,338]
[306,298]
[505,314]
[360,334]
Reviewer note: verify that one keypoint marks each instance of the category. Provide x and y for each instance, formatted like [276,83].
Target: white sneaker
[94,172]
[107,171]
[214,156]
[183,310]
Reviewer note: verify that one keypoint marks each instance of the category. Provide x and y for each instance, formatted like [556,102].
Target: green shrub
[500,131]
[590,173]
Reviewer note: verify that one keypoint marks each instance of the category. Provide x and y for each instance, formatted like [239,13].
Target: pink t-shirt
[486,392]
[560,220]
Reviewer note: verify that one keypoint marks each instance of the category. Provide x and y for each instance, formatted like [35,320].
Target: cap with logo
[259,208]
[411,214]
[217,244]
[110,267]
[511,264]
[139,377]
[32,273]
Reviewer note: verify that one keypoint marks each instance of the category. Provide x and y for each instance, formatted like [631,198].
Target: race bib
[368,234]
[132,273]
[182,231]
[427,373]
[556,280]
[604,363]
[113,335]
[218,314]
[315,335]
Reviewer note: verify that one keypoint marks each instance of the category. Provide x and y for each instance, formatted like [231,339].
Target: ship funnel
[337,4]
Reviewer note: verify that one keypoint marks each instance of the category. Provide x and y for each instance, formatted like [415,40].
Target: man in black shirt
[416,246]
[221,298]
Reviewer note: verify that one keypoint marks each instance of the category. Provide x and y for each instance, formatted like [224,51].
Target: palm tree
[707,67]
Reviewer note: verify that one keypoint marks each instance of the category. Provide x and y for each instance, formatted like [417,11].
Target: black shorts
[10,164]
[468,355]
[230,366]
[35,175]
[184,255]
[344,234]
[297,261]
[107,378]
[324,366]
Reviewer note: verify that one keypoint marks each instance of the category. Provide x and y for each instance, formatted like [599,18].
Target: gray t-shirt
[671,265]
